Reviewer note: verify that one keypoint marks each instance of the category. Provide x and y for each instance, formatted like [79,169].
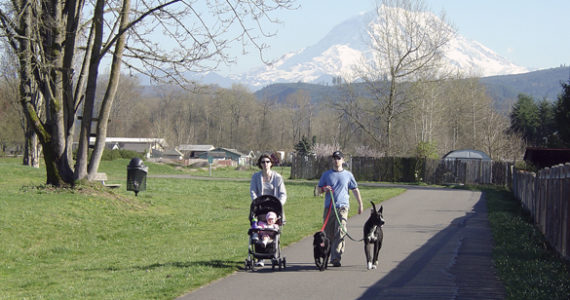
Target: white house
[140,145]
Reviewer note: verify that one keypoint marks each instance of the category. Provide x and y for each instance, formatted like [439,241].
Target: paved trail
[437,245]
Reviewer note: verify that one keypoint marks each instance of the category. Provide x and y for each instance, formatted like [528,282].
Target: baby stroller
[258,209]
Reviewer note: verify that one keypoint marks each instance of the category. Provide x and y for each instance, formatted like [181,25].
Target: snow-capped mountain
[348,44]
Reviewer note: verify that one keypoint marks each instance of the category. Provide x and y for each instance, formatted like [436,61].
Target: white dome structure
[466,154]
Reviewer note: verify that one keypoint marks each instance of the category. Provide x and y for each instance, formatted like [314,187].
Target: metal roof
[196,147]
[467,154]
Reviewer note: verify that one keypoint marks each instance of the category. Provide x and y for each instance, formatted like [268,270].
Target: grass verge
[96,243]
[528,268]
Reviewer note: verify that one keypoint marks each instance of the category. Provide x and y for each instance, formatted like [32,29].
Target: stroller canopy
[264,204]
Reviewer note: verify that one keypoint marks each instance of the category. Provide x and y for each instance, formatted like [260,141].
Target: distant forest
[503,89]
[433,118]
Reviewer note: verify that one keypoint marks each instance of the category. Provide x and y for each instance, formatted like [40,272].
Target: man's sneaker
[260,263]
[336,263]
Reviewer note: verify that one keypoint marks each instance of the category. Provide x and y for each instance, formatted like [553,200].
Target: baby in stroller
[267,231]
[266,219]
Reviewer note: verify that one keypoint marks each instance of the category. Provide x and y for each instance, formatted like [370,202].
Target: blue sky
[531,33]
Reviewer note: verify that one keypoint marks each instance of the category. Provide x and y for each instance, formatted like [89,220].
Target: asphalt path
[437,245]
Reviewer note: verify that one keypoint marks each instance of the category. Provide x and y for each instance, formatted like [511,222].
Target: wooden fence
[546,196]
[408,169]
[467,172]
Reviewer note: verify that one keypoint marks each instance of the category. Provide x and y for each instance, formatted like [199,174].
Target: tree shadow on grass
[217,264]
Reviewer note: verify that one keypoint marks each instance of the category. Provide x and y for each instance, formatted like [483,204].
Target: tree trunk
[110,93]
[81,167]
[32,148]
[57,167]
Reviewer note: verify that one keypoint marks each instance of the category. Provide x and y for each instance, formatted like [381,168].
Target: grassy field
[96,243]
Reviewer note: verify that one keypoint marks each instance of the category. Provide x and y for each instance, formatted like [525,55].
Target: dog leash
[327,218]
[338,219]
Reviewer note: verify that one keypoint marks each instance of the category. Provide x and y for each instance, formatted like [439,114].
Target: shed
[546,157]
[229,154]
[194,151]
[466,154]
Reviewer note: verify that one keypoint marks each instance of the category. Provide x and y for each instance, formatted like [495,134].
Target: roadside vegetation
[528,268]
[93,242]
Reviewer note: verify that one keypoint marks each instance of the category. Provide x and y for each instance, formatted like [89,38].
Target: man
[338,182]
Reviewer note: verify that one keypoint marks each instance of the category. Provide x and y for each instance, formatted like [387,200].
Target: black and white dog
[321,250]
[373,236]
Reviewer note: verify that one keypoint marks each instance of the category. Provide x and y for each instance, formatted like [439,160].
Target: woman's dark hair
[264,155]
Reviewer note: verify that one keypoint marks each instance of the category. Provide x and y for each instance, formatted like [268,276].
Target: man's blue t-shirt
[341,182]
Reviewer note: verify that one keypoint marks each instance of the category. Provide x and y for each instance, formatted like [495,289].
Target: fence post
[566,211]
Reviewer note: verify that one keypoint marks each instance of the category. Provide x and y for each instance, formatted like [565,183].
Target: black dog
[321,250]
[373,235]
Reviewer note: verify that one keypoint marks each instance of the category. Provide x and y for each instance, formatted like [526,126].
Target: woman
[267,182]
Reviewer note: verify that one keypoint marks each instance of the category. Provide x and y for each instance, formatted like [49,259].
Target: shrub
[525,166]
[116,154]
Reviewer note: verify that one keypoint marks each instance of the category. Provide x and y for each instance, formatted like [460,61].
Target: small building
[227,154]
[546,157]
[140,145]
[172,154]
[194,151]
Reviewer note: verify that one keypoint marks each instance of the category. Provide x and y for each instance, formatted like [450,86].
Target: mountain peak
[348,45]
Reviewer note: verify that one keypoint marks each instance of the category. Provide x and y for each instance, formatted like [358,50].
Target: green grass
[97,243]
[526,265]
[230,172]
[119,168]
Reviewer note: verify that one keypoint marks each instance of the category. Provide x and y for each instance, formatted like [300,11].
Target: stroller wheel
[284,263]
[250,264]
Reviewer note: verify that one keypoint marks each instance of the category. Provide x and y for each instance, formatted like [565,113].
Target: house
[546,157]
[227,154]
[194,151]
[139,145]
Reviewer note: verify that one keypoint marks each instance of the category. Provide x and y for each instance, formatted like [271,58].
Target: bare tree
[494,133]
[121,117]
[466,107]
[13,120]
[354,114]
[263,121]
[162,38]
[301,109]
[406,41]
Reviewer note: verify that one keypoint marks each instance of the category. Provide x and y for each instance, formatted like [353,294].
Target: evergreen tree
[525,118]
[562,115]
[304,147]
[546,124]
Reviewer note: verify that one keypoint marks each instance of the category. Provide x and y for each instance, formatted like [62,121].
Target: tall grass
[526,265]
[97,243]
